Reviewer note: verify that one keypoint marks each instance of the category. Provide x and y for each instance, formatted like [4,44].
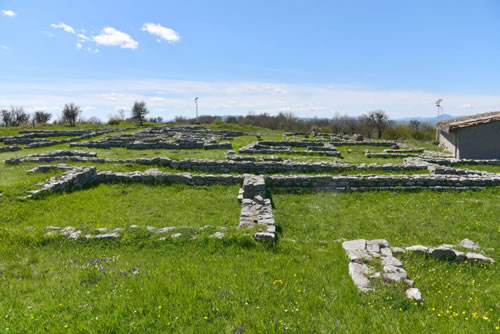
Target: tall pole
[438,120]
[196,103]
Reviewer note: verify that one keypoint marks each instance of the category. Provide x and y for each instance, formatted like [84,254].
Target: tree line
[375,124]
[71,114]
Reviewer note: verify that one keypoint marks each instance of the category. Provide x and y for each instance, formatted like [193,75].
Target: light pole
[439,113]
[196,103]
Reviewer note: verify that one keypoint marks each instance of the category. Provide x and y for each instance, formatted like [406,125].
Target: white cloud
[8,13]
[79,45]
[111,37]
[3,47]
[82,37]
[64,26]
[167,34]
[157,99]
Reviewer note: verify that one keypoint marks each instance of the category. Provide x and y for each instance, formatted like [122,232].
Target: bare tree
[122,115]
[139,111]
[70,113]
[379,120]
[15,116]
[94,120]
[6,117]
[40,117]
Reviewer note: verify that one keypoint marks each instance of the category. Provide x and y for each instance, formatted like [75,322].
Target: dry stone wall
[11,148]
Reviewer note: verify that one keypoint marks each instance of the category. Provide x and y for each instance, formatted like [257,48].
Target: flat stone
[358,272]
[102,230]
[150,228]
[394,274]
[264,236]
[51,228]
[176,235]
[165,229]
[414,293]
[108,236]
[391,261]
[358,256]
[386,251]
[398,250]
[476,257]
[380,242]
[354,245]
[372,246]
[467,243]
[418,249]
[133,226]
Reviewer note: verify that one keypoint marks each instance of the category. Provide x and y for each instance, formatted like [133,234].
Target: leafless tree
[70,113]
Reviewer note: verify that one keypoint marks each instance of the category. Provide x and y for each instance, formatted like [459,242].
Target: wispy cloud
[111,37]
[4,47]
[64,26]
[164,33]
[8,13]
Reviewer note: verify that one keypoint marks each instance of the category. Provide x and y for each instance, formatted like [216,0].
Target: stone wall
[75,178]
[218,166]
[379,182]
[11,148]
[316,149]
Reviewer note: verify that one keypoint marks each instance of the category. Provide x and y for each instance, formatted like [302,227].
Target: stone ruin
[167,137]
[365,254]
[274,147]
[38,138]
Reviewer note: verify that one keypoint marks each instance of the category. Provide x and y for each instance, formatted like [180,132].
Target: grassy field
[142,283]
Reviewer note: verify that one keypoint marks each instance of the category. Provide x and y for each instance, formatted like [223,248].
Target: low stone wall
[369,154]
[11,148]
[256,209]
[291,143]
[437,169]
[453,162]
[409,150]
[31,139]
[379,182]
[259,148]
[75,178]
[156,145]
[365,143]
[220,166]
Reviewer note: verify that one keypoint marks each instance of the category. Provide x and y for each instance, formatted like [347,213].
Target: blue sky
[313,58]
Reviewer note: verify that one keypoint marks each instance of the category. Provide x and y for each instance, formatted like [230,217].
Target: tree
[70,113]
[139,110]
[94,120]
[379,120]
[6,117]
[15,116]
[41,117]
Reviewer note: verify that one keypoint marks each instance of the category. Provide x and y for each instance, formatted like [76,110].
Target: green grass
[200,284]
[301,283]
[120,205]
